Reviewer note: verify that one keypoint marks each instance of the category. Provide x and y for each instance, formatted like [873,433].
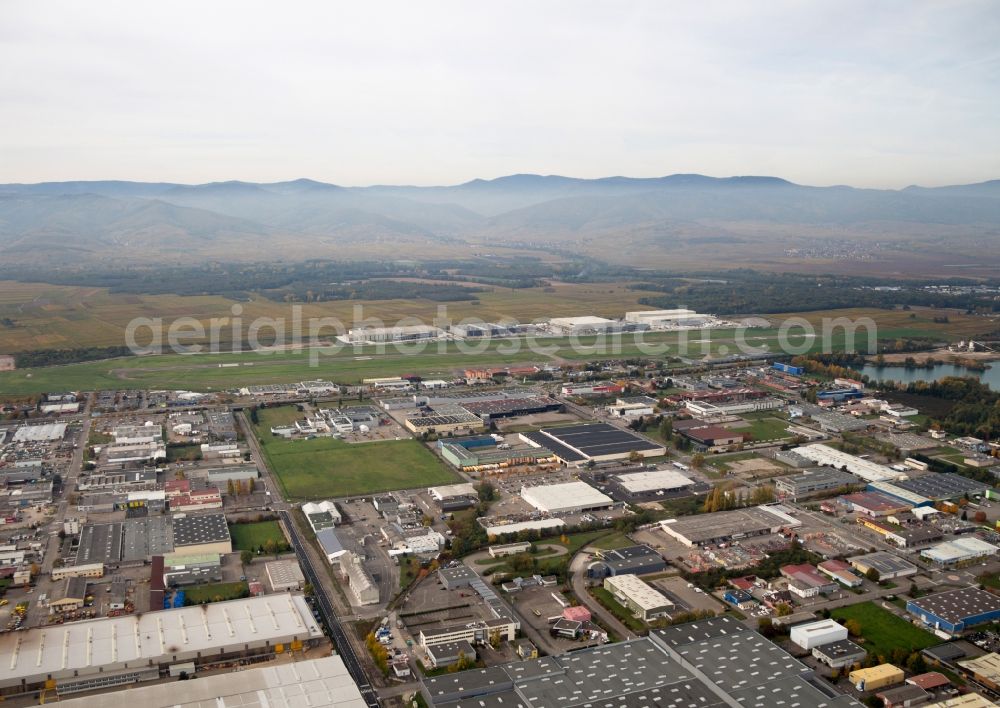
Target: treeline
[55,357]
[976,409]
[750,292]
[319,280]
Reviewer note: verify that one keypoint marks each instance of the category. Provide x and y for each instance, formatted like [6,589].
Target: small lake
[990,377]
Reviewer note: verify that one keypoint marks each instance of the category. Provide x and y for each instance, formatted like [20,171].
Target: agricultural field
[63,317]
[882,631]
[250,537]
[324,468]
[349,364]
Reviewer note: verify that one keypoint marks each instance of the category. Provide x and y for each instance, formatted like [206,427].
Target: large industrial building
[887,565]
[566,498]
[584,325]
[488,458]
[714,663]
[195,534]
[816,634]
[642,600]
[668,319]
[317,683]
[954,611]
[941,486]
[725,526]
[814,481]
[649,485]
[963,550]
[376,335]
[831,457]
[600,442]
[114,651]
[638,560]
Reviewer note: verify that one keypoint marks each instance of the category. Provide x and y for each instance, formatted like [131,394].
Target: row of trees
[724,497]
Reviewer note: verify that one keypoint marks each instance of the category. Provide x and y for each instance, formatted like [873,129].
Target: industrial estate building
[963,550]
[638,560]
[954,611]
[816,634]
[112,651]
[814,481]
[600,442]
[831,457]
[725,526]
[887,565]
[201,533]
[649,485]
[566,498]
[317,683]
[645,602]
[711,663]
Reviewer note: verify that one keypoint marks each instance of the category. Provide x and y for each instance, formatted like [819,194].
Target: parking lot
[538,608]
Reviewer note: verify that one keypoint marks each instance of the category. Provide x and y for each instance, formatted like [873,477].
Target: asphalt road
[344,646]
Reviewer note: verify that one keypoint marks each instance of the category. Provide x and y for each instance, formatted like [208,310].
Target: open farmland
[204,372]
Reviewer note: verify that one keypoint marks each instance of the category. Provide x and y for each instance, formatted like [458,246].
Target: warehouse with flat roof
[832,457]
[317,683]
[964,549]
[725,526]
[566,498]
[600,442]
[642,600]
[941,486]
[201,533]
[649,484]
[956,610]
[120,650]
[887,565]
[814,481]
[711,663]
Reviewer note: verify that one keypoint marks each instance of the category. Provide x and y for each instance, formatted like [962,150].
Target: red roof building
[577,613]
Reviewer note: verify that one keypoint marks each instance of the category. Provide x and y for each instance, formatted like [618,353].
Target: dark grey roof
[956,606]
[193,529]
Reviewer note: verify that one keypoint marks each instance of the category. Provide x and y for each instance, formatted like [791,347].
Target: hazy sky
[879,94]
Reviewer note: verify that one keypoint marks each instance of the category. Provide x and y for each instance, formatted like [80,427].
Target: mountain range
[682,219]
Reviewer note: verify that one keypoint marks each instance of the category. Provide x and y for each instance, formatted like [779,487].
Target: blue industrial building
[737,597]
[840,394]
[892,491]
[954,611]
[788,368]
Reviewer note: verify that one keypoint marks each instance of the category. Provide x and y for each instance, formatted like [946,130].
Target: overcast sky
[880,94]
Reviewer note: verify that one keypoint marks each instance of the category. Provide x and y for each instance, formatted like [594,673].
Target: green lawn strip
[199,594]
[250,537]
[883,631]
[617,609]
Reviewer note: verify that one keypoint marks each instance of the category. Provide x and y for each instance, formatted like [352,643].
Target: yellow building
[876,677]
[985,669]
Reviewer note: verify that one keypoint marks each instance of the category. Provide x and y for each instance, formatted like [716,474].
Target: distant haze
[869,94]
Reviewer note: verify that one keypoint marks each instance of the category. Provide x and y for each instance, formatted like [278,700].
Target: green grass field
[250,537]
[218,592]
[328,468]
[767,429]
[202,372]
[884,631]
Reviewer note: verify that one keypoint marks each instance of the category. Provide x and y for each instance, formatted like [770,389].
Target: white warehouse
[831,457]
[583,325]
[567,498]
[816,634]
